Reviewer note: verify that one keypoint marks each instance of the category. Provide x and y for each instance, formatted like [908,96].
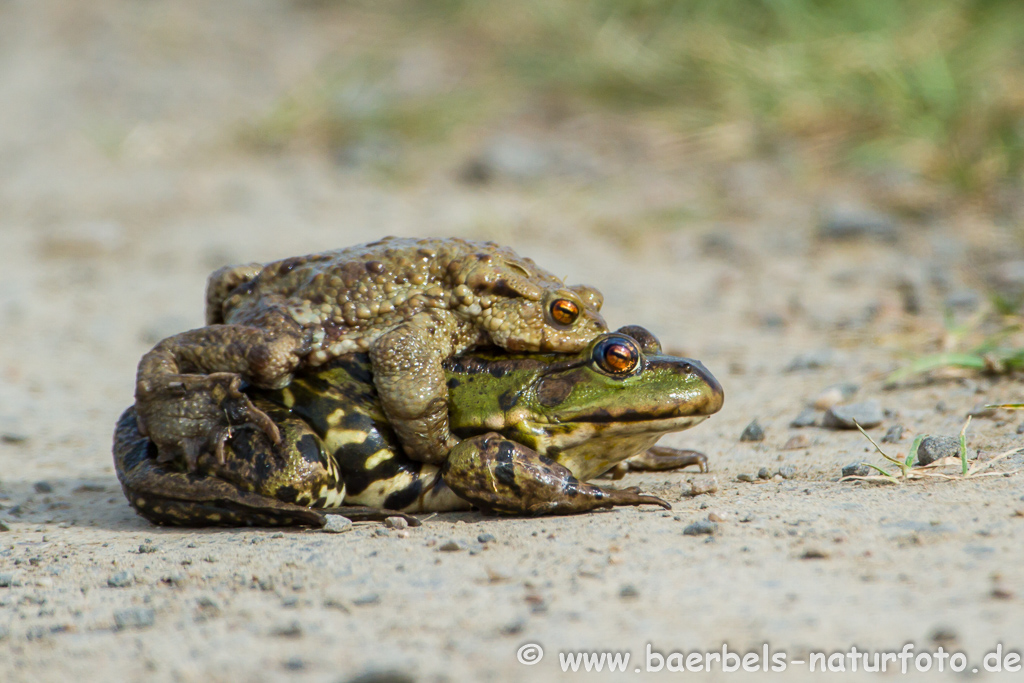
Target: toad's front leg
[505,477]
[188,389]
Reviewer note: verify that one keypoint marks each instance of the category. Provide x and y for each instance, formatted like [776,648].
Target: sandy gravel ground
[121,188]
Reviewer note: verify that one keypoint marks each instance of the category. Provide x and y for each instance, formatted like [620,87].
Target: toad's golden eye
[617,356]
[564,311]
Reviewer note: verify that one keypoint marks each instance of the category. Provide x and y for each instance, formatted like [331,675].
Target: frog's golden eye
[564,311]
[617,356]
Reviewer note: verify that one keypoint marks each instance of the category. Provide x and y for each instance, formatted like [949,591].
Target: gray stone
[752,432]
[452,546]
[396,523]
[857,469]
[629,591]
[808,417]
[43,487]
[744,476]
[965,300]
[336,524]
[981,411]
[764,473]
[787,471]
[485,538]
[388,676]
[8,580]
[867,414]
[134,618]
[894,434]
[851,222]
[702,527]
[121,579]
[934,448]
[812,360]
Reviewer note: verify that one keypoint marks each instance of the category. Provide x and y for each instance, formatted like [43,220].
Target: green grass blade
[912,455]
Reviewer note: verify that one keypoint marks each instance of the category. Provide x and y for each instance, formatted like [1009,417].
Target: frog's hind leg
[165,496]
[660,459]
[505,477]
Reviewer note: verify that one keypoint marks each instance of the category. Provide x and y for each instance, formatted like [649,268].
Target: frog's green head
[589,410]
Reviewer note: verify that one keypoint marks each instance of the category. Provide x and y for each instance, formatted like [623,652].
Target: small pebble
[629,591]
[867,414]
[701,528]
[796,442]
[894,434]
[7,580]
[133,618]
[700,485]
[812,360]
[13,437]
[834,395]
[752,432]
[290,630]
[934,448]
[121,579]
[808,417]
[787,471]
[145,548]
[43,487]
[743,476]
[747,518]
[485,538]
[848,221]
[337,524]
[383,676]
[294,664]
[452,546]
[1020,428]
[857,469]
[396,523]
[981,411]
[814,554]
[368,599]
[3,526]
[717,517]
[764,473]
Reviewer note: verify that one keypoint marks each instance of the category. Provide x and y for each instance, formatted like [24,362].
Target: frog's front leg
[410,381]
[505,477]
[188,389]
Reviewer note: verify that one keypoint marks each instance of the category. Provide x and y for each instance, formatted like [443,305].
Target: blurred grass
[934,86]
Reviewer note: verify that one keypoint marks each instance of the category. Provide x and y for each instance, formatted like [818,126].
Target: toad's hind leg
[505,477]
[188,389]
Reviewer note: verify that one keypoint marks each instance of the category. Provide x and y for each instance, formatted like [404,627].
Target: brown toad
[410,303]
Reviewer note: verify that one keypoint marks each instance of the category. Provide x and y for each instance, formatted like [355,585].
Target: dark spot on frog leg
[287,494]
[405,497]
[453,382]
[507,400]
[309,448]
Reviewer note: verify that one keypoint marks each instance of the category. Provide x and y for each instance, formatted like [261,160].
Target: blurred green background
[932,87]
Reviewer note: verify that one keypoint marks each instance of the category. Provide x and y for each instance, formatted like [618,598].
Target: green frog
[533,429]
[408,304]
